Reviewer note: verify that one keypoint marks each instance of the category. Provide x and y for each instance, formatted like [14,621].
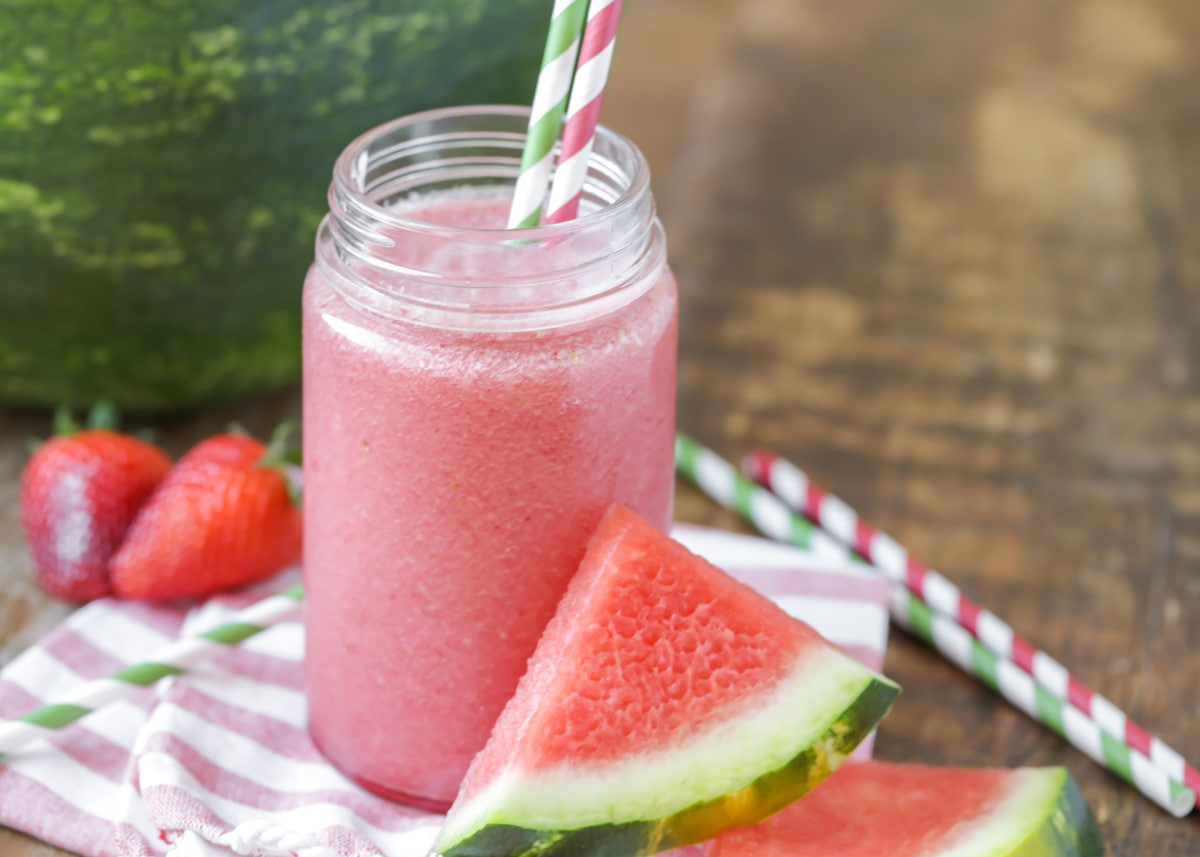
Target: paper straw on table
[721,481]
[172,659]
[546,113]
[583,110]
[836,518]
[1018,687]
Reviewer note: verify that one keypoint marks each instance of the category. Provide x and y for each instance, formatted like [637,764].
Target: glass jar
[474,399]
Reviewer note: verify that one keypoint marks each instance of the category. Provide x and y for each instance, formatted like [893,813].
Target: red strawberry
[79,494]
[222,517]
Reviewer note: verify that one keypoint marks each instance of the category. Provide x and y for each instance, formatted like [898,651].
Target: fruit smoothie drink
[472,405]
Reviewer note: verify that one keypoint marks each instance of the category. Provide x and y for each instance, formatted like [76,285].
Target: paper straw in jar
[838,519]
[583,110]
[546,113]
[172,659]
[721,481]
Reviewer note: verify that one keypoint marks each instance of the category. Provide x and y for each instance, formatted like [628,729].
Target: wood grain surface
[946,256]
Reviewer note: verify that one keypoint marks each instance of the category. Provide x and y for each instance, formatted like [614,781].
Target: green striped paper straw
[957,645]
[833,515]
[721,481]
[173,659]
[546,114]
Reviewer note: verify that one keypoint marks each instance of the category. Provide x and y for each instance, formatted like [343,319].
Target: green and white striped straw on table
[721,481]
[1018,687]
[546,113]
[835,517]
[173,659]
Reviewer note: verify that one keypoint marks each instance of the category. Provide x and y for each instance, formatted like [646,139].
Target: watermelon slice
[665,703]
[876,809]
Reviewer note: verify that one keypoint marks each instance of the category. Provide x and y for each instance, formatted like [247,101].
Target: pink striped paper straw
[766,510]
[546,114]
[583,110]
[834,516]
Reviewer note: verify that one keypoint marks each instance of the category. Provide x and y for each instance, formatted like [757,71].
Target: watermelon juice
[472,405]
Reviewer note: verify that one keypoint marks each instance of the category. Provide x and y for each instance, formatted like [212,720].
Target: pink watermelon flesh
[650,649]
[877,809]
[669,644]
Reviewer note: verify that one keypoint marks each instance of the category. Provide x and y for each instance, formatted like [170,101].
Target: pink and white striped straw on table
[721,481]
[583,110]
[834,516]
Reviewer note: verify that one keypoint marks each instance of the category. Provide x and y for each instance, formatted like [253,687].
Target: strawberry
[223,517]
[79,494]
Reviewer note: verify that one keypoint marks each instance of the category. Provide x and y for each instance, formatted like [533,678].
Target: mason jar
[474,399]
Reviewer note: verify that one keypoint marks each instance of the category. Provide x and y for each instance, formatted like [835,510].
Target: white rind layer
[1020,813]
[725,758]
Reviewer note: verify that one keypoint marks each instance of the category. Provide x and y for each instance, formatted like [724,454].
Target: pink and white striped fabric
[217,761]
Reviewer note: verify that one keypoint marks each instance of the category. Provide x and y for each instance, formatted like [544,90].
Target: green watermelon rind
[1032,813]
[501,833]
[1071,828]
[1044,816]
[1040,813]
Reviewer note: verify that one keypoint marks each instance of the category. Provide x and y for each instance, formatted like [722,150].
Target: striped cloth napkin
[217,761]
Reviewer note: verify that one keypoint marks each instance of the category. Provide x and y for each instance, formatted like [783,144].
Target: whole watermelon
[163,166]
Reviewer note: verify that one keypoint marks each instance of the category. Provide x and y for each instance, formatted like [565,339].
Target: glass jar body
[468,418]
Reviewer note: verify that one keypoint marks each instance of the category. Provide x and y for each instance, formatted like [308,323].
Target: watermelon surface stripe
[163,167]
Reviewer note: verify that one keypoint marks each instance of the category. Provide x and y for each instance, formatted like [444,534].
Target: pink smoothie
[452,478]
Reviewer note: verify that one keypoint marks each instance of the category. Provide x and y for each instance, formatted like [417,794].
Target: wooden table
[946,255]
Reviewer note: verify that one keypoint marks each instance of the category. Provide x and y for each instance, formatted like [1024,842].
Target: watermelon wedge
[876,809]
[665,702]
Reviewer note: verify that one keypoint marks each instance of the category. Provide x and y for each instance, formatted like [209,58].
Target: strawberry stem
[286,459]
[279,450]
[104,416]
[282,434]
[64,422]
[293,477]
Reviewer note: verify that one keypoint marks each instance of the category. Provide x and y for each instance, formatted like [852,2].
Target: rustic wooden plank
[944,256]
[20,845]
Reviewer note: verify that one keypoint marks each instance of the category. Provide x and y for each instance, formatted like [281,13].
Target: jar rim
[348,161]
[381,256]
